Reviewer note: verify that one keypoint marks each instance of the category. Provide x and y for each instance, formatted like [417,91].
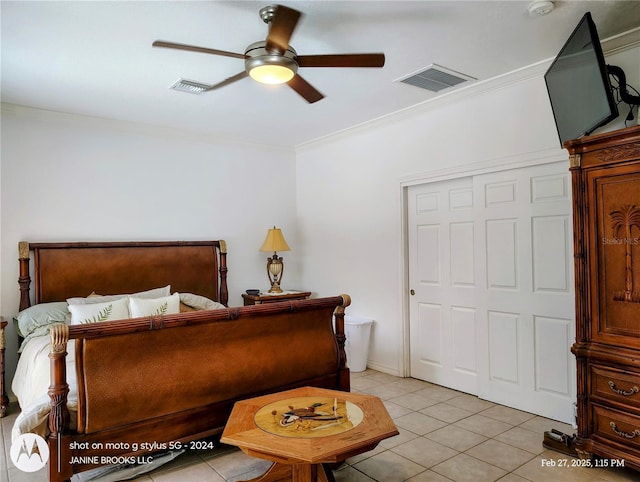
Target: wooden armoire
[605,170]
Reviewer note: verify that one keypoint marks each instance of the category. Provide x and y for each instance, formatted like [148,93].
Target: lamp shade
[275,241]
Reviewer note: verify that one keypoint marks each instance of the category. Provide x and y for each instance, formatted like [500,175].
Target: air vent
[190,87]
[435,78]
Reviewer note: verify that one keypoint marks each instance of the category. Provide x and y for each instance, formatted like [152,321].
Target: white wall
[70,178]
[349,186]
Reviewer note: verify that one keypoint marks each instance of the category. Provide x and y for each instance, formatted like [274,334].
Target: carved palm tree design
[625,219]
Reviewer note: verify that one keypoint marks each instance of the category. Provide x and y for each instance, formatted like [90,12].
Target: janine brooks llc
[112,460]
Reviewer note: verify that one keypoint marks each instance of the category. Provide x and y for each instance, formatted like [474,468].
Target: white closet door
[442,311]
[490,262]
[526,302]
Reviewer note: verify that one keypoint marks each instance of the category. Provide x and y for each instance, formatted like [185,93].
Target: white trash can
[358,331]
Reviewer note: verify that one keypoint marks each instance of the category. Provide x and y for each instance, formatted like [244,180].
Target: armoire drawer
[616,385]
[620,427]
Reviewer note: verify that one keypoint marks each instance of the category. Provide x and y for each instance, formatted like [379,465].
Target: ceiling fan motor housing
[267,13]
[257,55]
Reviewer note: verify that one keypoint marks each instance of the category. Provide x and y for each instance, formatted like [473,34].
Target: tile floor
[445,435]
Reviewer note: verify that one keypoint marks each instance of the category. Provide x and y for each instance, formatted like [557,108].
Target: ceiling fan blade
[305,89]
[341,60]
[230,80]
[281,28]
[192,48]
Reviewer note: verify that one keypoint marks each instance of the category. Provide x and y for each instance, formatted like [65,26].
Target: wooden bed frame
[171,379]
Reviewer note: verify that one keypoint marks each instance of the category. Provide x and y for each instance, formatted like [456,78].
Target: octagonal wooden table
[300,430]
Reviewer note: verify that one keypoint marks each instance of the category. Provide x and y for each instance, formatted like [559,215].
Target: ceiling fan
[274,61]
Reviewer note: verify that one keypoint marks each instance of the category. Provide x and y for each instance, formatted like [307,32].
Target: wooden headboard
[65,270]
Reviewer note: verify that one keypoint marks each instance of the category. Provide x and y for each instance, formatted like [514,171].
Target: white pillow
[166,305]
[200,302]
[154,293]
[98,312]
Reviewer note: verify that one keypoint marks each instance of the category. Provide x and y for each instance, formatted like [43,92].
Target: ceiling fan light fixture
[271,74]
[269,67]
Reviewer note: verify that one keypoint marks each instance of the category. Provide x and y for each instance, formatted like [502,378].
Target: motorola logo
[29,452]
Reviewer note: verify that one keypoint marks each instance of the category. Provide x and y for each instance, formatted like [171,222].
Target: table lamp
[275,266]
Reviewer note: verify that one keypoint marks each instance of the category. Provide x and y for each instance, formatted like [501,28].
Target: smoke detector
[539,8]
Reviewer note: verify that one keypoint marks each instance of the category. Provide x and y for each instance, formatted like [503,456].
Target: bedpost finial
[23,250]
[346,301]
[2,338]
[223,246]
[59,337]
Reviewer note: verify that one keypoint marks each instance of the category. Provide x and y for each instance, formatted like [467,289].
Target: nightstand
[273,297]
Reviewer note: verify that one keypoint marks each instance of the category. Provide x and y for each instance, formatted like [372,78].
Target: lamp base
[275,267]
[275,289]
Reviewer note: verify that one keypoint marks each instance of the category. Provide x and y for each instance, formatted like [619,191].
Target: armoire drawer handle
[634,434]
[625,393]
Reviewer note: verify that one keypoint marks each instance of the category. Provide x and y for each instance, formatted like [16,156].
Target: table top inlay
[308,417]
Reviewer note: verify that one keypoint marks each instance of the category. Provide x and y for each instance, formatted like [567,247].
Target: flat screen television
[578,84]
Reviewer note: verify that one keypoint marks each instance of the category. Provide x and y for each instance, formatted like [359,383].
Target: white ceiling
[95,58]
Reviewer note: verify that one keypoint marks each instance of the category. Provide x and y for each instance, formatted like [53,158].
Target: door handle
[413,292]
